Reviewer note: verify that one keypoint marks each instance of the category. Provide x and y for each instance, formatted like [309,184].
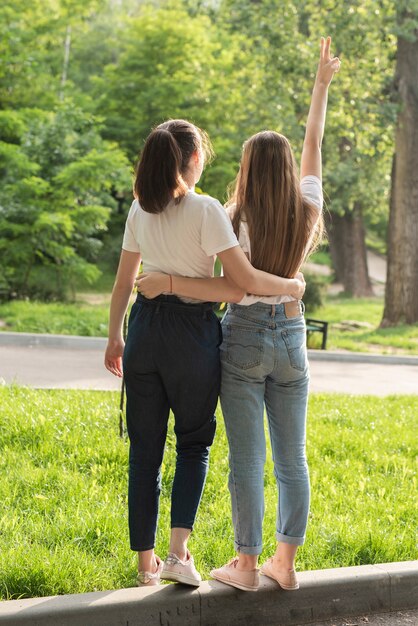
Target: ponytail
[158,178]
[164,161]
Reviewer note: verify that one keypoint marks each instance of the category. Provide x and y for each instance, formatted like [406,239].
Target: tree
[195,71]
[159,73]
[233,67]
[401,300]
[358,142]
[56,181]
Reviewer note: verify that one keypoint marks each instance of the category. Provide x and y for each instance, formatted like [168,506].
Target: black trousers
[171,361]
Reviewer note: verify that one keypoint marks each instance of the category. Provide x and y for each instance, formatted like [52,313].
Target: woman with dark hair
[171,358]
[277,218]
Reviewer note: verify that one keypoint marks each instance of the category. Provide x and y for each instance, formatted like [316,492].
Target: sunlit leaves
[56,199]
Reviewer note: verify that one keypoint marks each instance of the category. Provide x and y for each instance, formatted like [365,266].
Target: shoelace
[233,562]
[173,559]
[145,577]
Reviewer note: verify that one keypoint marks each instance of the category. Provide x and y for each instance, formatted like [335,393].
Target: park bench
[317,326]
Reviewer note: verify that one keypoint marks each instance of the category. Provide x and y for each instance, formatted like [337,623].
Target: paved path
[397,618]
[68,367]
[377,266]
[377,272]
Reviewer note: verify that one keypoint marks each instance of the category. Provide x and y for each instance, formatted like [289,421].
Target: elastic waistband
[174,303]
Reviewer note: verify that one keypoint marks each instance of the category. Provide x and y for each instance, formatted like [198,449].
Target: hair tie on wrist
[171,283]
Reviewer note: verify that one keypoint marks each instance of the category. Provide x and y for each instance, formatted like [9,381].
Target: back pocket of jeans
[242,347]
[295,342]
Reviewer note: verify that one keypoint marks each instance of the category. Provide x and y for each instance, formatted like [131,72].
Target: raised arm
[122,289]
[311,162]
[240,278]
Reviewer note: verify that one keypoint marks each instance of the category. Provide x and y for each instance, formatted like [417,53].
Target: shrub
[314,292]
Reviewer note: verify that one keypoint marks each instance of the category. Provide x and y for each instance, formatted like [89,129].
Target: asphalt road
[397,618]
[72,367]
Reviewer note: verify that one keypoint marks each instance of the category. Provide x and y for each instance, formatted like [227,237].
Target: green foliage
[361,118]
[159,73]
[320,257]
[72,125]
[64,491]
[57,179]
[314,292]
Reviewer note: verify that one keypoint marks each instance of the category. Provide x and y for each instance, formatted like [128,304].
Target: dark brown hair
[283,227]
[164,161]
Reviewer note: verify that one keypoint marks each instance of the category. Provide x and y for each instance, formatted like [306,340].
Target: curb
[35,340]
[323,594]
[74,342]
[361,357]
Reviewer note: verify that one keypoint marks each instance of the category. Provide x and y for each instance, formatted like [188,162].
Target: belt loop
[158,307]
[302,307]
[273,310]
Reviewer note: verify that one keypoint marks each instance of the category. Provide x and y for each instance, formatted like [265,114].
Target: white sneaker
[149,579]
[286,579]
[241,579]
[181,571]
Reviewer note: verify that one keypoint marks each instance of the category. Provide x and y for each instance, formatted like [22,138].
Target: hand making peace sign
[328,65]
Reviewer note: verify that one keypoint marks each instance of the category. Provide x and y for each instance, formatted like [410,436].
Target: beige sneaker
[287,580]
[230,575]
[180,571]
[149,579]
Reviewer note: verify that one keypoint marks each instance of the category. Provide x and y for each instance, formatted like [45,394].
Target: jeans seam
[238,530]
[275,473]
[290,353]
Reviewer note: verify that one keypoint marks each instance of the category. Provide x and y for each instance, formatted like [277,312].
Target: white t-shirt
[311,189]
[182,240]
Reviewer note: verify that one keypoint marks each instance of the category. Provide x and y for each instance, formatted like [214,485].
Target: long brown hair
[267,196]
[164,161]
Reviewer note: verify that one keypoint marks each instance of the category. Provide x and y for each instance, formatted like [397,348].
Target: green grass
[396,340]
[56,318]
[321,257]
[63,519]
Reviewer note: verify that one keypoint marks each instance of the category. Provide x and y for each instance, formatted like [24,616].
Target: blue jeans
[264,363]
[171,361]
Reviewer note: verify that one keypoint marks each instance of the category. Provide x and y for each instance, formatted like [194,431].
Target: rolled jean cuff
[137,549]
[295,541]
[253,550]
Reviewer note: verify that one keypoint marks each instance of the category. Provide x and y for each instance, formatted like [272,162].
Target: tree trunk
[348,252]
[401,299]
[335,229]
[66,62]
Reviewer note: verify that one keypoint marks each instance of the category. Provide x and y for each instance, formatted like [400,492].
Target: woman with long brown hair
[171,357]
[277,219]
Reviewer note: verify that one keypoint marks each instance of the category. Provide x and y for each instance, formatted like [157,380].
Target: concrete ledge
[361,357]
[74,342]
[323,594]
